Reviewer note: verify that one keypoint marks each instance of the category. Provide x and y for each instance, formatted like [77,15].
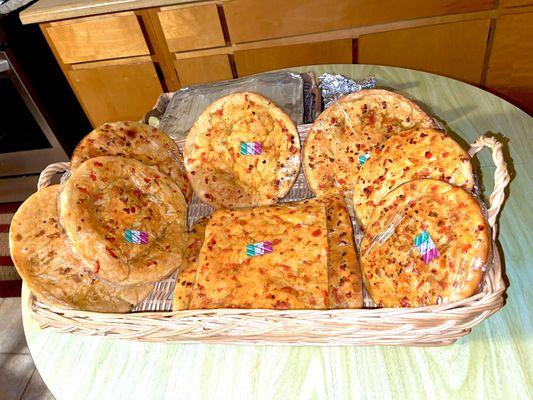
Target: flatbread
[110,205]
[242,123]
[345,287]
[187,272]
[413,154]
[292,276]
[350,128]
[44,260]
[395,273]
[138,141]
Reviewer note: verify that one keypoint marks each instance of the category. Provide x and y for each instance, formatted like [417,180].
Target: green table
[494,361]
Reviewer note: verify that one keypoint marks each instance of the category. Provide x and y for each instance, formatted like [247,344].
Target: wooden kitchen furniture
[118,57]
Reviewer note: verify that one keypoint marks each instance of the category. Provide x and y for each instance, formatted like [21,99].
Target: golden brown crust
[108,197]
[345,287]
[413,154]
[44,260]
[351,127]
[138,141]
[292,276]
[394,272]
[186,277]
[220,175]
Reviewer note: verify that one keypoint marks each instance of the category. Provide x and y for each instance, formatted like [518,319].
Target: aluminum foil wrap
[334,86]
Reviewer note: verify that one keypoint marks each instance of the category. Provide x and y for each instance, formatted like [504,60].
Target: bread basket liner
[423,326]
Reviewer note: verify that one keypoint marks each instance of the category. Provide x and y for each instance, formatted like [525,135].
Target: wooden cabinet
[203,69]
[510,70]
[250,20]
[252,61]
[191,27]
[98,38]
[116,90]
[456,50]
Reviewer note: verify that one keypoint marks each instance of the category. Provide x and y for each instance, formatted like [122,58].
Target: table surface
[494,361]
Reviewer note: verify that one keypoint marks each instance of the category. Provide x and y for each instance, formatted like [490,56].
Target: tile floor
[19,379]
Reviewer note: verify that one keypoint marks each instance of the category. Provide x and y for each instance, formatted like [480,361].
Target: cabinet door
[203,69]
[116,90]
[253,61]
[510,71]
[456,50]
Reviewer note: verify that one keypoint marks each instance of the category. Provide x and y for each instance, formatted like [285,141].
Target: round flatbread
[427,243]
[242,151]
[413,154]
[345,134]
[125,219]
[43,258]
[138,141]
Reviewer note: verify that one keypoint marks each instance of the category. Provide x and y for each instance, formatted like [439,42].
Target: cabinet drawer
[456,50]
[191,28]
[251,20]
[258,60]
[203,69]
[98,38]
[116,90]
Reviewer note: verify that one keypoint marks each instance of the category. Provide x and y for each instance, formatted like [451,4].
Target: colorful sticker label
[426,247]
[363,158]
[251,148]
[258,249]
[136,237]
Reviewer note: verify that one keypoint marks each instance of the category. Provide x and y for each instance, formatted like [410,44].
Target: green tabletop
[494,361]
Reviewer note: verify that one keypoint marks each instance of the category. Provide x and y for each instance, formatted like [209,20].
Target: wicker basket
[423,326]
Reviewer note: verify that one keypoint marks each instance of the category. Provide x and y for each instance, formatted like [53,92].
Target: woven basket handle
[48,173]
[501,176]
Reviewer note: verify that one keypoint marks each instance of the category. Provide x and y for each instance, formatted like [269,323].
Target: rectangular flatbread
[267,258]
[187,272]
[345,289]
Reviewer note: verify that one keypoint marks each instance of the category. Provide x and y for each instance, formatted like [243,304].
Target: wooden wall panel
[253,61]
[203,69]
[515,3]
[250,20]
[510,70]
[98,38]
[125,91]
[189,28]
[456,50]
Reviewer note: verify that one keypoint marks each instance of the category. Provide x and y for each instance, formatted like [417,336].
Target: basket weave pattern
[423,326]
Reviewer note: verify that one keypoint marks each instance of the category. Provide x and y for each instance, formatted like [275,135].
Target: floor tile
[12,338]
[16,371]
[37,389]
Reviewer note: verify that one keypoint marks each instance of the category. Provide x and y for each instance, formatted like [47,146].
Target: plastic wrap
[124,219]
[345,134]
[286,89]
[413,154]
[138,141]
[428,242]
[45,261]
[242,151]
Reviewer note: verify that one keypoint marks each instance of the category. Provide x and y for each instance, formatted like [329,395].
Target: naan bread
[242,123]
[138,141]
[345,287]
[393,251]
[349,129]
[187,272]
[413,154]
[292,276]
[43,258]
[125,219]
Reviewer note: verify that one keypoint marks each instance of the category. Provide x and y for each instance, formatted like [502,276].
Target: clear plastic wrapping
[428,242]
[242,151]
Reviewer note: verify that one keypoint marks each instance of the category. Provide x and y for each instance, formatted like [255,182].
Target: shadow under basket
[423,326]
